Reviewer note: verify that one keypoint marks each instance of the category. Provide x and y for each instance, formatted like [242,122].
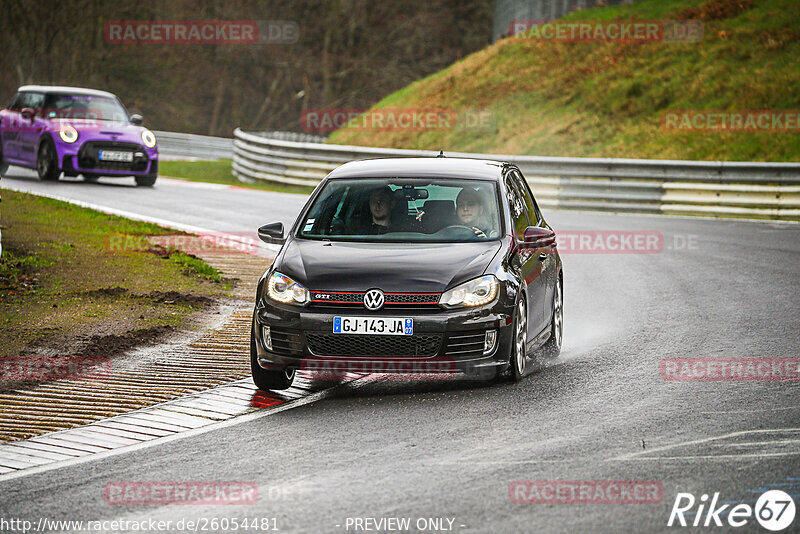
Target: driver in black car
[373,219]
[471,212]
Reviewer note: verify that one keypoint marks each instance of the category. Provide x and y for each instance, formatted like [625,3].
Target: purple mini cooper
[75,131]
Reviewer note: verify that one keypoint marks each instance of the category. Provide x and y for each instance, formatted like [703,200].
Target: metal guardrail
[173,145]
[713,188]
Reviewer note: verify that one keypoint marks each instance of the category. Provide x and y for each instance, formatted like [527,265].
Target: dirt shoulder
[66,290]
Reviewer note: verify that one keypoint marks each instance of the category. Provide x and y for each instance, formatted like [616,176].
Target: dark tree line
[350,54]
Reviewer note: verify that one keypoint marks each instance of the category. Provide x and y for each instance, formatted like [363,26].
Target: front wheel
[520,342]
[262,378]
[146,181]
[47,161]
[3,164]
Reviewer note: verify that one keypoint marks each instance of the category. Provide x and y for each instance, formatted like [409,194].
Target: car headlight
[476,292]
[67,133]
[148,138]
[281,288]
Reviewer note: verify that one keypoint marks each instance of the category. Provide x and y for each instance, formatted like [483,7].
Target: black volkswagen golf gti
[417,265]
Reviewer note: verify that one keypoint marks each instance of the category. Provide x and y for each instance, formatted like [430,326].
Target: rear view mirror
[536,237]
[137,120]
[411,193]
[27,114]
[272,233]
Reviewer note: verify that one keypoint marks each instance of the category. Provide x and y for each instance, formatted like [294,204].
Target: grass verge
[65,291]
[609,99]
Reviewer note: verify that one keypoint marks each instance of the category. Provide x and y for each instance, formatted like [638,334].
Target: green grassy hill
[608,98]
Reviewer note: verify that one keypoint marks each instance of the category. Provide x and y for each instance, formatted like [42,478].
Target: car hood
[400,267]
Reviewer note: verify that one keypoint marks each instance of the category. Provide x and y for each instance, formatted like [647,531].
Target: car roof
[433,167]
[62,89]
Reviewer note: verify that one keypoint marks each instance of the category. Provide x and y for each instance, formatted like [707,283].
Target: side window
[516,203]
[15,103]
[534,214]
[35,101]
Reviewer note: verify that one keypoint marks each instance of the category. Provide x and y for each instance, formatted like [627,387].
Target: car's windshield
[406,210]
[66,106]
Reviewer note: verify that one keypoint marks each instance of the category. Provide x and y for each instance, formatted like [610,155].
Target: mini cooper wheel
[47,161]
[146,181]
[91,178]
[552,347]
[262,378]
[519,342]
[3,164]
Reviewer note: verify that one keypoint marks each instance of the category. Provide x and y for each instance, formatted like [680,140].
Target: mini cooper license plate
[115,155]
[391,326]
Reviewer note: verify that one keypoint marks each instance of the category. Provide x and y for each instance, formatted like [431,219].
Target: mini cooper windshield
[66,106]
[439,210]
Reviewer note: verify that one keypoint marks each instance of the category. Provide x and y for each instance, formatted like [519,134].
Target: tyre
[91,178]
[262,378]
[3,164]
[146,181]
[47,161]
[518,368]
[552,347]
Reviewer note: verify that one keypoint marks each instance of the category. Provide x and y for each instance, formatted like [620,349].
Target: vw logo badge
[373,299]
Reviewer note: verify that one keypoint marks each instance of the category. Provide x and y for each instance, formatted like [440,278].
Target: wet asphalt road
[449,449]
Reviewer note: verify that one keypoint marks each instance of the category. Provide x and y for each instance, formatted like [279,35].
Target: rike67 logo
[774,510]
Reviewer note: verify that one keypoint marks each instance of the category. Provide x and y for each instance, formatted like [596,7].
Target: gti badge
[373,299]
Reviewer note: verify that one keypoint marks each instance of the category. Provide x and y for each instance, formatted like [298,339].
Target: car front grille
[356,299]
[88,157]
[466,345]
[419,345]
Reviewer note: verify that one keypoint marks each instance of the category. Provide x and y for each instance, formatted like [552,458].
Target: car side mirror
[27,114]
[537,237]
[137,120]
[272,233]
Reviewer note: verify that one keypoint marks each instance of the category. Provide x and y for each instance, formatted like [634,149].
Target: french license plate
[115,155]
[392,326]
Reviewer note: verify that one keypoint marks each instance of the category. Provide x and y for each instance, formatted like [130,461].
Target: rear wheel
[91,178]
[47,161]
[262,378]
[552,347]
[147,180]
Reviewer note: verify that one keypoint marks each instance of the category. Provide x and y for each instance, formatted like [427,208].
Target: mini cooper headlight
[148,138]
[281,288]
[67,133]
[476,292]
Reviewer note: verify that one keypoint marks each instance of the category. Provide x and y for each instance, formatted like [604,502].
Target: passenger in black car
[471,212]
